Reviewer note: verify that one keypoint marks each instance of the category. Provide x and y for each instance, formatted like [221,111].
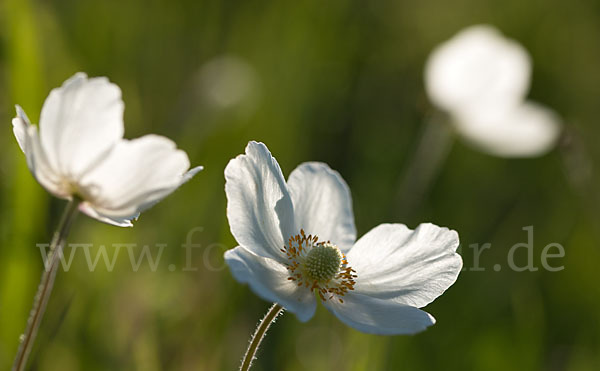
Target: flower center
[323,262]
[319,266]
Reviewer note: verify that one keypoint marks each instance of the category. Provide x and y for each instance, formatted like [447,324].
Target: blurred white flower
[526,130]
[227,82]
[477,66]
[481,79]
[374,284]
[80,152]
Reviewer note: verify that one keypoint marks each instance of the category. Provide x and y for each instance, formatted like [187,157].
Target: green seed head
[323,262]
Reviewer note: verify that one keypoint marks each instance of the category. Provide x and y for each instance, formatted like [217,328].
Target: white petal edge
[80,122]
[526,130]
[28,140]
[377,316]
[135,176]
[89,210]
[20,125]
[323,204]
[269,280]
[403,266]
[259,206]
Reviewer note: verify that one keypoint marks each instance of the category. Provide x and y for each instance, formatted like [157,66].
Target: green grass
[339,82]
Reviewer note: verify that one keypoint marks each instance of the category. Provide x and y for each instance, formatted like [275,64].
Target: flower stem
[45,288]
[426,163]
[259,335]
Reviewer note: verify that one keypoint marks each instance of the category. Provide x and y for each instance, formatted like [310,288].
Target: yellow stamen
[319,266]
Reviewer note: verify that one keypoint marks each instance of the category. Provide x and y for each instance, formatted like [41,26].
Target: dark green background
[334,81]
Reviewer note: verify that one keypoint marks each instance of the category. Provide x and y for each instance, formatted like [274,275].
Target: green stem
[259,335]
[427,161]
[45,288]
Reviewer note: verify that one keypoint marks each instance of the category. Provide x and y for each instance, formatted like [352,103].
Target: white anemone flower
[477,65]
[80,152]
[297,239]
[526,130]
[481,78]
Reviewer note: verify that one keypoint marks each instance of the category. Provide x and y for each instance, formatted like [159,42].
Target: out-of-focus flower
[528,129]
[481,79]
[228,82]
[80,152]
[477,66]
[375,284]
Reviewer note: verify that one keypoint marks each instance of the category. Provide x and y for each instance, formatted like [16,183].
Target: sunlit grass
[339,83]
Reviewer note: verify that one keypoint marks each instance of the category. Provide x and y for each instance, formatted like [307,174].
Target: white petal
[269,280]
[408,267]
[28,139]
[322,204]
[136,174]
[259,207]
[20,125]
[80,122]
[526,130]
[89,210]
[191,173]
[377,316]
[477,66]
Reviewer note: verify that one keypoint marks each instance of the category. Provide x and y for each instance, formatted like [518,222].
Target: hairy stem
[259,335]
[45,288]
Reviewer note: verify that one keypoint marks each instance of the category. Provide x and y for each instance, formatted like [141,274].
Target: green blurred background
[333,81]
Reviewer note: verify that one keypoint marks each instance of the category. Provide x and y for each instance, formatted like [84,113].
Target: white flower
[481,79]
[80,152]
[526,130]
[228,82]
[477,65]
[374,284]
